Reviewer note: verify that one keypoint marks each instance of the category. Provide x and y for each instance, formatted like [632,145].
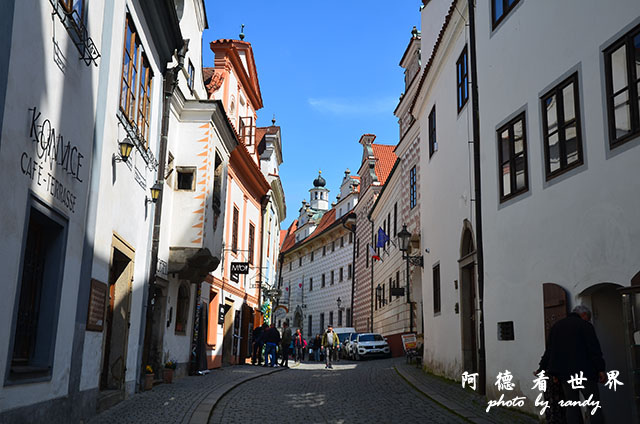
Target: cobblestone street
[374,391]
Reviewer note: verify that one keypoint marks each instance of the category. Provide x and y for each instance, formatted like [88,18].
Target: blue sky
[328,71]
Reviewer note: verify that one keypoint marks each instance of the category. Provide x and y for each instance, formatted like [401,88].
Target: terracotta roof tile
[385,158]
[260,132]
[283,235]
[290,238]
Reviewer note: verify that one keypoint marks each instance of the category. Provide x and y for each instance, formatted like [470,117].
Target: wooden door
[555,306]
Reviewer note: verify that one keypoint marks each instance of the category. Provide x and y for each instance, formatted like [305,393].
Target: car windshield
[343,337]
[353,336]
[370,338]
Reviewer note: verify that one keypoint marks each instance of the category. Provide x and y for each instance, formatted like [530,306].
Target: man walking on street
[271,340]
[330,342]
[286,341]
[573,349]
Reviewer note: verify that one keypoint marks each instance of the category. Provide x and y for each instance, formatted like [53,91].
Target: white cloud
[353,107]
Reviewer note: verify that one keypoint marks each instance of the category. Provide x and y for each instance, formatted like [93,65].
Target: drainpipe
[353,275]
[169,84]
[477,194]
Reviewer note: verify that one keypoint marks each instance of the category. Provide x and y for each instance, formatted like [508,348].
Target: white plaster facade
[446,187]
[578,230]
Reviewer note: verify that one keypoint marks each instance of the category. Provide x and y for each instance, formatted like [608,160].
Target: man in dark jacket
[271,340]
[286,341]
[572,348]
[257,335]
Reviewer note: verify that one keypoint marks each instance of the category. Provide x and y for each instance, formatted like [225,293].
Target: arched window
[182,309]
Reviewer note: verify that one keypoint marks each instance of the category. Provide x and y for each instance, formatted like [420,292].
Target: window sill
[504,199]
[623,140]
[27,374]
[553,175]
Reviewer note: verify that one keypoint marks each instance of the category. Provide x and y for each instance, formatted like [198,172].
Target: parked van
[343,334]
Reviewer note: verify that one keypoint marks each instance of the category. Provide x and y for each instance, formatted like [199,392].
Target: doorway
[114,357]
[468,300]
[608,321]
[227,341]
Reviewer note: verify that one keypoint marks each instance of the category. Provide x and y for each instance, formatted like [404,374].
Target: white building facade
[560,192]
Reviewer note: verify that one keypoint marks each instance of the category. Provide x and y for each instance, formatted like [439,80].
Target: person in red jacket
[299,343]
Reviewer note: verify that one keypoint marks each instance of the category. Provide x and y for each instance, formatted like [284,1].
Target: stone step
[109,398]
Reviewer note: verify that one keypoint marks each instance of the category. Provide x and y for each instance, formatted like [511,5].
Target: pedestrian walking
[284,344]
[573,349]
[258,343]
[299,343]
[271,341]
[330,343]
[317,346]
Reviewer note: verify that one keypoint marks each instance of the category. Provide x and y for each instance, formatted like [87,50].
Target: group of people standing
[267,343]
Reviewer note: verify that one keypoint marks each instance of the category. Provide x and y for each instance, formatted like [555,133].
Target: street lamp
[404,237]
[155,192]
[125,147]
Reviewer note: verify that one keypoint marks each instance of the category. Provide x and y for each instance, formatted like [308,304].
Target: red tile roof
[385,158]
[283,235]
[289,238]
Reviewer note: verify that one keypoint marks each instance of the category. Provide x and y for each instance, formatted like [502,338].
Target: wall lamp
[125,148]
[155,193]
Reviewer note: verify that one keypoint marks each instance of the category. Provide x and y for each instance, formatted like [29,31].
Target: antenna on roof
[242,32]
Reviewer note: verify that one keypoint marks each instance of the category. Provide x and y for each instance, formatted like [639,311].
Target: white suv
[370,344]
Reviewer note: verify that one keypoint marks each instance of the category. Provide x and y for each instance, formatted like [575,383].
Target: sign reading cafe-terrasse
[62,158]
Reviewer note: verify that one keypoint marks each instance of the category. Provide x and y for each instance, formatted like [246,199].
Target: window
[310,326]
[136,80]
[333,246]
[390,287]
[348,312]
[622,72]
[36,320]
[311,256]
[350,238]
[324,250]
[310,284]
[561,127]
[250,246]
[234,232]
[339,318]
[332,277]
[462,80]
[186,178]
[433,142]
[182,309]
[322,321]
[323,281]
[395,219]
[342,241]
[436,289]
[340,274]
[413,191]
[500,9]
[505,330]
[331,318]
[388,228]
[349,270]
[512,152]
[290,265]
[190,75]
[300,261]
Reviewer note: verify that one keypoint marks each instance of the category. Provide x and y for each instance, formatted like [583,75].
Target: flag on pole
[373,254]
[383,238]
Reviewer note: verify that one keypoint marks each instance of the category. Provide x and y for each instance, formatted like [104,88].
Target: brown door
[555,306]
[117,323]
[468,317]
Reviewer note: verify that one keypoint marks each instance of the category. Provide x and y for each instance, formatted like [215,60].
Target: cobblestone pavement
[174,403]
[464,402]
[353,392]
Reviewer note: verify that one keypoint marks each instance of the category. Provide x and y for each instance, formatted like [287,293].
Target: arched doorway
[298,318]
[468,299]
[608,321]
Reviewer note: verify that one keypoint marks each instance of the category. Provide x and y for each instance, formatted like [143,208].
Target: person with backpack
[330,343]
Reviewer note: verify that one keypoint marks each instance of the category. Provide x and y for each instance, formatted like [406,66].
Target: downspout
[477,194]
[169,84]
[353,275]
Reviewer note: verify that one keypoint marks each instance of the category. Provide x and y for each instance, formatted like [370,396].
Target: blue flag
[383,238]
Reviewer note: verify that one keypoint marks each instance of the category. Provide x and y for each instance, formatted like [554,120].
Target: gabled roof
[327,222]
[290,237]
[228,51]
[426,69]
[283,235]
[385,159]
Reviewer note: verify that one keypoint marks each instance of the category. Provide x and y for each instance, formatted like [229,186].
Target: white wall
[579,229]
